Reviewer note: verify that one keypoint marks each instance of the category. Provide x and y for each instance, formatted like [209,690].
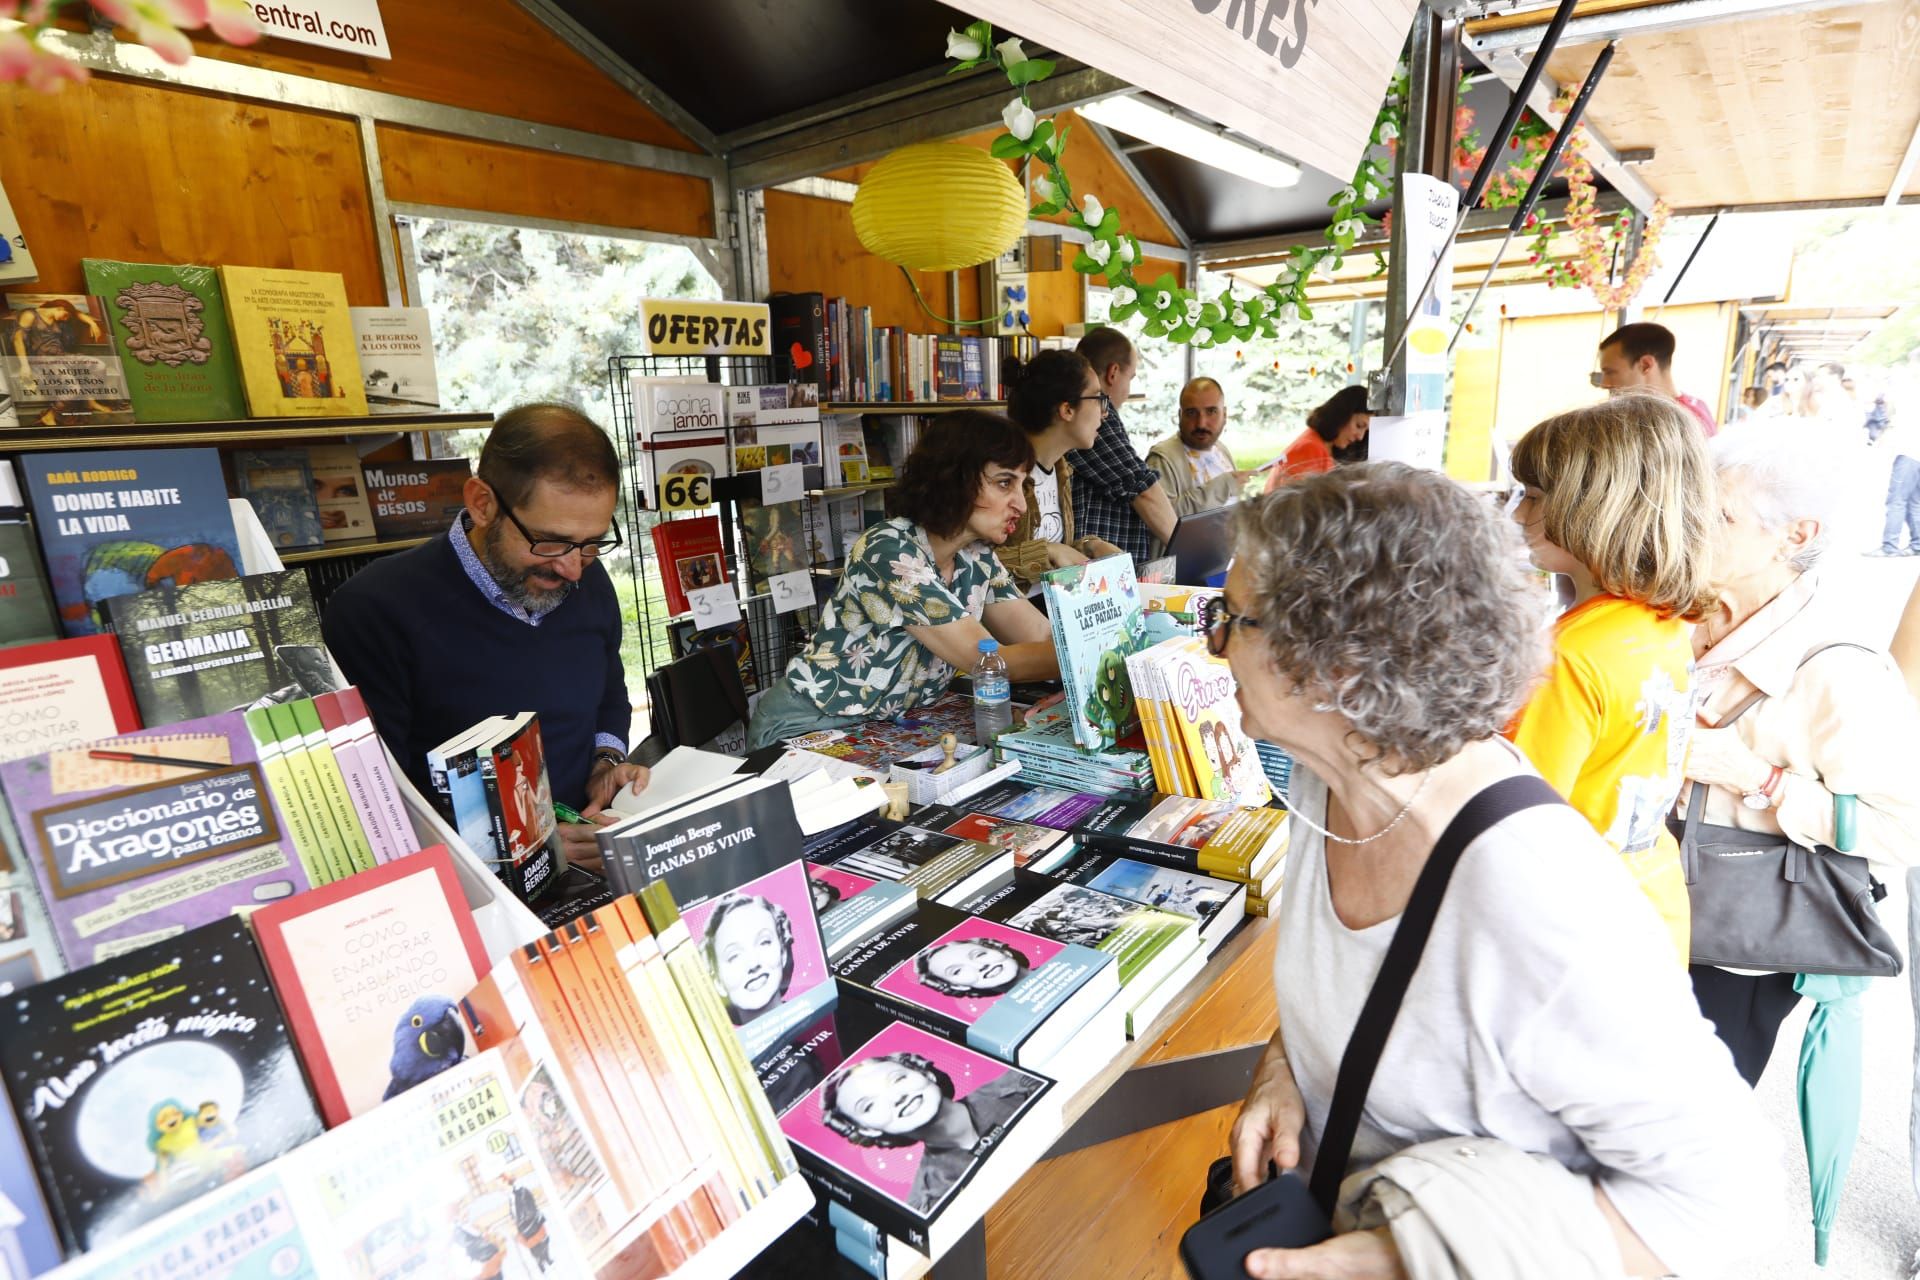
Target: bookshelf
[234,431]
[353,547]
[910,406]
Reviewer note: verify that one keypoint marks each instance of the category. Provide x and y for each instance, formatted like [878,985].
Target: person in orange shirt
[1335,427]
[1619,497]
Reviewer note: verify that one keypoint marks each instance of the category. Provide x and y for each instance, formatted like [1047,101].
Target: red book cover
[62,694]
[371,970]
[690,558]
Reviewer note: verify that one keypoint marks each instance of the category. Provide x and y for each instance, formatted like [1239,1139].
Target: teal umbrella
[1831,1053]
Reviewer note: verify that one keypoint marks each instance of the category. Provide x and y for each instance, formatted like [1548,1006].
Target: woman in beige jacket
[1841,724]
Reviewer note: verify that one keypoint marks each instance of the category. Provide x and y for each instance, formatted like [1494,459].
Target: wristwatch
[1769,793]
[609,755]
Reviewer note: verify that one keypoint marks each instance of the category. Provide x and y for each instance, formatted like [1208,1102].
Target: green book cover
[333,784]
[1095,611]
[307,784]
[170,328]
[273,763]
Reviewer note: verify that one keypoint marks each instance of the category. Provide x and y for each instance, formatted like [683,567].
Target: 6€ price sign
[685,492]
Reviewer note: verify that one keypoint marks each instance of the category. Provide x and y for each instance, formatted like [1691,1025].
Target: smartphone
[1278,1214]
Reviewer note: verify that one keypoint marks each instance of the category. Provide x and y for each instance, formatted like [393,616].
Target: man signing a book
[510,611]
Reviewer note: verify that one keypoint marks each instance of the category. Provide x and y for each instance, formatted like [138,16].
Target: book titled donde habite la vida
[126,520]
[293,334]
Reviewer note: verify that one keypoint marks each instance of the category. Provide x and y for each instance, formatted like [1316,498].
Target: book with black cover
[222,646]
[995,988]
[799,337]
[936,865]
[152,1077]
[1219,905]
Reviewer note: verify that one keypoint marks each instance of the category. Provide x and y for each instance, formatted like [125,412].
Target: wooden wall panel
[123,169]
[486,55]
[434,168]
[1053,300]
[811,246]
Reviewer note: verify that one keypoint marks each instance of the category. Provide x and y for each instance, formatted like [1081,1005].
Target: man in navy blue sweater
[509,611]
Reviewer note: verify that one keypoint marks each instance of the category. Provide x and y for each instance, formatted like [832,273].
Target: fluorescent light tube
[1138,118]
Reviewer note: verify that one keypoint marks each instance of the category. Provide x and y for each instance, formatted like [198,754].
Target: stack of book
[1049,756]
[1191,717]
[491,781]
[835,345]
[1208,837]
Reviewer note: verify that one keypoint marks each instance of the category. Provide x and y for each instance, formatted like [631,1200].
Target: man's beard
[514,583]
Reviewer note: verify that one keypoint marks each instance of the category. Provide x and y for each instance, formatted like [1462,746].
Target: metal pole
[1538,186]
[1425,147]
[1685,266]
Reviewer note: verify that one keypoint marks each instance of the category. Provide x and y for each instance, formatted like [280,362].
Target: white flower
[962,46]
[1193,310]
[912,571]
[1019,119]
[1090,210]
[1239,317]
[1344,227]
[1122,295]
[1389,131]
[1347,195]
[1100,251]
[1203,337]
[1162,300]
[1043,189]
[1285,276]
[1126,251]
[1011,54]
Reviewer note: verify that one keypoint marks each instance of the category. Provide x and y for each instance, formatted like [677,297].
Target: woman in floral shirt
[920,591]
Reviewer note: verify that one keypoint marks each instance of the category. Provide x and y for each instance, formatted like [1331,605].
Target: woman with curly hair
[1619,497]
[1383,631]
[1336,433]
[920,591]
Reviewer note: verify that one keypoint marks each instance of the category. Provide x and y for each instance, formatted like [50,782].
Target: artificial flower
[233,21]
[1388,131]
[1123,295]
[1126,250]
[1019,119]
[1043,189]
[1100,251]
[1091,211]
[41,70]
[1011,54]
[1239,317]
[962,46]
[1193,311]
[1162,300]
[1203,337]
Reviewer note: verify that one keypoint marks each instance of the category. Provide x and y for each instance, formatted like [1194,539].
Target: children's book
[170,327]
[151,1078]
[1095,610]
[294,337]
[1194,722]
[114,522]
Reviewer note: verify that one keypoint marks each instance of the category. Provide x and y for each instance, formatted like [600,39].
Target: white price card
[713,606]
[784,483]
[791,591]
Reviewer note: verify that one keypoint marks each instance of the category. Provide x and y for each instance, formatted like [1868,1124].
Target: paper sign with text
[680,327]
[351,25]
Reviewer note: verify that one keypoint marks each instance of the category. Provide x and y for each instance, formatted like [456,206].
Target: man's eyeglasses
[554,548]
[1098,395]
[1219,621]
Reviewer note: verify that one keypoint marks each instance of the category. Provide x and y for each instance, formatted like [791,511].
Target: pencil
[134,757]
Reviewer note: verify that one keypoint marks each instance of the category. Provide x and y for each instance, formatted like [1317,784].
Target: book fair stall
[280,998]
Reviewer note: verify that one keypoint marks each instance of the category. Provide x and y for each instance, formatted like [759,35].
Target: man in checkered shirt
[1116,496]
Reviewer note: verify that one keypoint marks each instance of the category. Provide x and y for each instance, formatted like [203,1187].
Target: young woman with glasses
[1057,400]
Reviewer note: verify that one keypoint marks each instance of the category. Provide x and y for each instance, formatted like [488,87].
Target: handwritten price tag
[713,606]
[785,483]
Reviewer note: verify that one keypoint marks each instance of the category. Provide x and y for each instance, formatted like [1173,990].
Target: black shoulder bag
[1492,805]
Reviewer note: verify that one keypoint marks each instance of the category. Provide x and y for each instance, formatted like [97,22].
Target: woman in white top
[1056,399]
[1382,628]
[1843,724]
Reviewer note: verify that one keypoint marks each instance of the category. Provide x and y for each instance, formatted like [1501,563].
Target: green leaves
[1006,147]
[1030,71]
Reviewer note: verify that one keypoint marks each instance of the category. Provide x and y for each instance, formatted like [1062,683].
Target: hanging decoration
[158,24]
[939,206]
[1598,241]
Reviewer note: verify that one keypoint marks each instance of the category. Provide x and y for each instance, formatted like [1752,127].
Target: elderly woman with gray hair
[1382,628]
[1836,723]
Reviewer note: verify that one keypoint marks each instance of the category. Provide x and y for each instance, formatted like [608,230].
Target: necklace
[1405,809]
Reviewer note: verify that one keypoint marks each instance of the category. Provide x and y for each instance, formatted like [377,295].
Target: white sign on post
[713,606]
[1426,209]
[783,483]
[1419,439]
[1304,78]
[791,592]
[350,25]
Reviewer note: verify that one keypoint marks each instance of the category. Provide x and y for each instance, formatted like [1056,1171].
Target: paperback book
[876,1134]
[176,348]
[29,1241]
[1095,610]
[396,359]
[151,1078]
[1219,905]
[129,851]
[293,334]
[228,645]
[27,611]
[278,483]
[799,337]
[339,492]
[995,988]
[1192,717]
[1054,807]
[127,520]
[852,908]
[371,970]
[682,424]
[417,499]
[1030,843]
[1214,837]
[935,865]
[57,355]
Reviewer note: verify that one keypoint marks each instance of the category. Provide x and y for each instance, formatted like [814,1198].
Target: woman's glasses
[1219,622]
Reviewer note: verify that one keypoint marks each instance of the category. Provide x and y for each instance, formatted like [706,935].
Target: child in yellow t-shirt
[1619,497]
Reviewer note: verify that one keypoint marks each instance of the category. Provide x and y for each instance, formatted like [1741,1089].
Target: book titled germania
[176,347]
[293,335]
[151,1078]
[222,646]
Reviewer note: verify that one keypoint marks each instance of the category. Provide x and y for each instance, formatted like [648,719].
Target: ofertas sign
[678,327]
[352,25]
[1303,77]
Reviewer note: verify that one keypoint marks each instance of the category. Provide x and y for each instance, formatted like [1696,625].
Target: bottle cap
[989,645]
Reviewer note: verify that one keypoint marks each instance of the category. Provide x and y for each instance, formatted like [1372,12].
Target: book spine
[904,1010]
[383,789]
[354,770]
[333,785]
[834,1183]
[306,780]
[273,763]
[849,1223]
[510,869]
[861,1254]
[1129,846]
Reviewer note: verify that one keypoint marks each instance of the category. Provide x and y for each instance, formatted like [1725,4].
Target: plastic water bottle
[992,694]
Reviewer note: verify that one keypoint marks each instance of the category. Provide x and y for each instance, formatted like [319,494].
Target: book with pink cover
[875,1135]
[371,969]
[372,778]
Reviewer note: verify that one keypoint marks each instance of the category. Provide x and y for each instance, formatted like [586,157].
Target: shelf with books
[233,431]
[844,490]
[353,547]
[909,406]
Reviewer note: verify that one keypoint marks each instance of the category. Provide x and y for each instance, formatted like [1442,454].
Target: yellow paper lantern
[939,206]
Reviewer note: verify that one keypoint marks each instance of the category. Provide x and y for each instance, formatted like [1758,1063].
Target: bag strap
[1492,805]
[1697,802]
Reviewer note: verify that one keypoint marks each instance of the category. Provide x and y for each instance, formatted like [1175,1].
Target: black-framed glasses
[554,548]
[1098,395]
[1219,622]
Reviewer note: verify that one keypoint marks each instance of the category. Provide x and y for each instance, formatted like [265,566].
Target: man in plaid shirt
[1116,496]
